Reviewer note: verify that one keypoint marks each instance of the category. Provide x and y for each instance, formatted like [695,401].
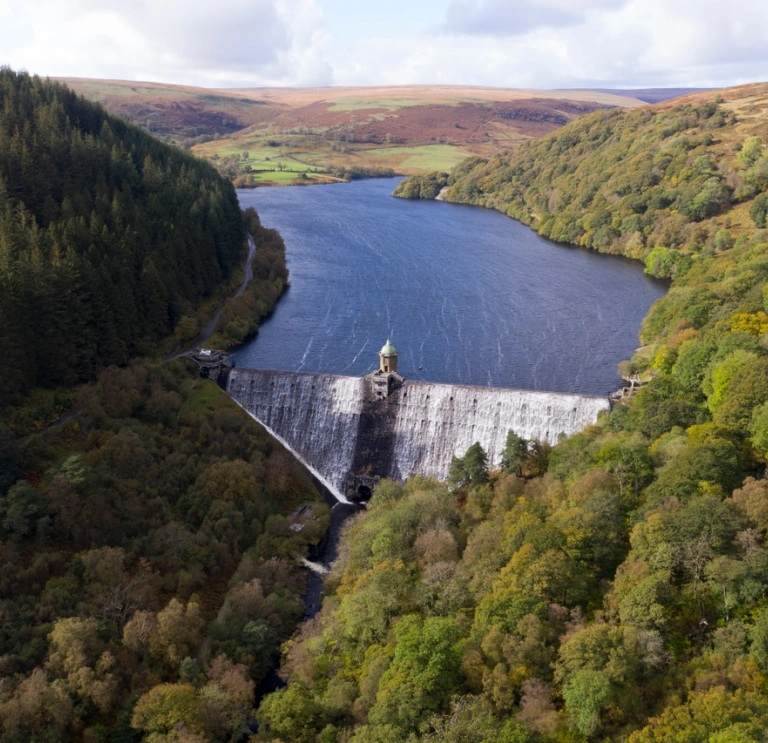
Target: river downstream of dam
[467,295]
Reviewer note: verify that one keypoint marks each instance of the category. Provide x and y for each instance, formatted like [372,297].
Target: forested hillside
[616,587]
[150,534]
[107,236]
[668,184]
[148,564]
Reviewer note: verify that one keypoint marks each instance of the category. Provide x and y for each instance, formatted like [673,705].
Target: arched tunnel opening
[363,492]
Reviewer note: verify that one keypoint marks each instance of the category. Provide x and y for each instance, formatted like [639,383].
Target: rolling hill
[665,176]
[282,135]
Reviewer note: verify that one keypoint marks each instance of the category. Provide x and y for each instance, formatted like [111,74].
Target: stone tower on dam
[386,379]
[352,431]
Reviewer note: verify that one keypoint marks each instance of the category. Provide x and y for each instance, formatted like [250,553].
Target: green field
[268,164]
[305,153]
[359,104]
[424,157]
[281,177]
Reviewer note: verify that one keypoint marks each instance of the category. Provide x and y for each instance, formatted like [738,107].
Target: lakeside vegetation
[614,588]
[241,314]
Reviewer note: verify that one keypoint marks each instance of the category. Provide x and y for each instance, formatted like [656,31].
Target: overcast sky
[507,43]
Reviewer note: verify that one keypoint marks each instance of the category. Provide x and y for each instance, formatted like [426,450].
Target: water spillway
[316,415]
[337,426]
[434,422]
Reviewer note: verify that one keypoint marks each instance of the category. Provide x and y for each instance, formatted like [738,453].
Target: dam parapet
[349,432]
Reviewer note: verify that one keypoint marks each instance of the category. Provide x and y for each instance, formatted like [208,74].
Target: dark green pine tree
[107,235]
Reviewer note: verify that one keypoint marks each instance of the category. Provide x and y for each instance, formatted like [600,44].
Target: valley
[607,586]
[281,136]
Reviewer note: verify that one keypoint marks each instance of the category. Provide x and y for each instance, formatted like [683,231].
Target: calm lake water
[467,295]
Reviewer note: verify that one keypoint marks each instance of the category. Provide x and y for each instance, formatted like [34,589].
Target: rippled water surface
[467,295]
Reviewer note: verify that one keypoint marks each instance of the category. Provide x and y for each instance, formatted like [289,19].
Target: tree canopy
[107,236]
[612,588]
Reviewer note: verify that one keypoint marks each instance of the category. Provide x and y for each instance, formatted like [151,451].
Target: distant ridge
[262,136]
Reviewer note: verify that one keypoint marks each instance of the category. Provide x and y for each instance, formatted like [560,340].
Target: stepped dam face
[351,437]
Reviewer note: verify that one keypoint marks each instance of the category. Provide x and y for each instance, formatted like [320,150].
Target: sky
[500,43]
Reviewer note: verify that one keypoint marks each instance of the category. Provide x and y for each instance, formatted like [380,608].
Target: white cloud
[597,43]
[504,18]
[515,43]
[231,42]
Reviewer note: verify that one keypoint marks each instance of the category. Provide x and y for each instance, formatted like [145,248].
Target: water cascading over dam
[339,425]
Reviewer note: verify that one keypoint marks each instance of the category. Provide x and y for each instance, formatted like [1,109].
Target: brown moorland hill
[177,112]
[280,135]
[329,132]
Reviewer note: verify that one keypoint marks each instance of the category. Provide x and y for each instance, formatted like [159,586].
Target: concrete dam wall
[340,427]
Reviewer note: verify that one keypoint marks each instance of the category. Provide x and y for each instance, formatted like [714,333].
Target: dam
[352,431]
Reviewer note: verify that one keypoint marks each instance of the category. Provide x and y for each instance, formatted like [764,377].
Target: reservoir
[467,295]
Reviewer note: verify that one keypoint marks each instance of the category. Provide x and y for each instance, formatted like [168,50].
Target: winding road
[210,326]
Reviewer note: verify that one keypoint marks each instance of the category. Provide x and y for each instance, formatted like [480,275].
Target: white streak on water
[306,353]
[357,356]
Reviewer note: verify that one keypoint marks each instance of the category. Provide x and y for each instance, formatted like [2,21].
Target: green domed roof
[388,349]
